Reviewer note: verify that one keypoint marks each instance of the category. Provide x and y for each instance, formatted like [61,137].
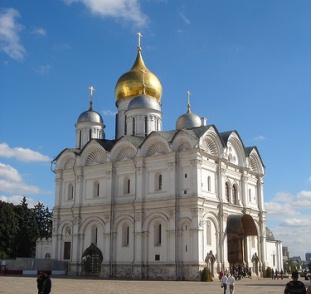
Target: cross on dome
[139,37]
[189,105]
[92,89]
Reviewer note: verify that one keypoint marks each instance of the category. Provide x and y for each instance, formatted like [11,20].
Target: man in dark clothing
[40,281]
[295,286]
[47,284]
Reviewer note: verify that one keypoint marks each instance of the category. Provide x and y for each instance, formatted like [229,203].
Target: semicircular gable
[123,151]
[155,145]
[255,163]
[182,141]
[93,154]
[236,150]
[211,142]
[66,160]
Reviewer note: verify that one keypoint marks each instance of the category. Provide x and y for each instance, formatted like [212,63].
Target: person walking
[224,281]
[47,284]
[231,281]
[272,273]
[295,286]
[40,281]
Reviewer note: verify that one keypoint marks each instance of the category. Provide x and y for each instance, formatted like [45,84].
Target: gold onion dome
[139,80]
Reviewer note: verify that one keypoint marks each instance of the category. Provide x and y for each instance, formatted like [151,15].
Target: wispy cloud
[109,112]
[22,154]
[260,138]
[125,10]
[184,18]
[16,200]
[42,69]
[9,34]
[39,31]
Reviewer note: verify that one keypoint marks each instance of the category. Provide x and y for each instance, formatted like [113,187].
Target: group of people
[227,279]
[44,284]
[275,274]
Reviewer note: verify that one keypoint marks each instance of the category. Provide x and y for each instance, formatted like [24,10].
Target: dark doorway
[92,259]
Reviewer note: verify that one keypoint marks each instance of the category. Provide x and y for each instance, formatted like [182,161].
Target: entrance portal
[238,228]
[92,258]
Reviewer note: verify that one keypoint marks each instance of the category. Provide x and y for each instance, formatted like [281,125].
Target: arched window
[249,195]
[94,233]
[47,256]
[227,192]
[234,194]
[209,184]
[70,192]
[96,189]
[157,234]
[125,235]
[208,233]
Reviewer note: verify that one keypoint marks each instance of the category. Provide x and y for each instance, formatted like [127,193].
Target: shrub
[268,272]
[206,275]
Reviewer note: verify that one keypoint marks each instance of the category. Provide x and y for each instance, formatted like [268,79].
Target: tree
[44,220]
[8,230]
[28,231]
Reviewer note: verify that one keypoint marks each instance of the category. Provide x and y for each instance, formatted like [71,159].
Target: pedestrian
[40,281]
[295,286]
[282,274]
[272,273]
[231,281]
[309,288]
[224,282]
[47,284]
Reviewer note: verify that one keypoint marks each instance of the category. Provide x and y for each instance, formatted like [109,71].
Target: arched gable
[123,150]
[211,142]
[154,144]
[66,160]
[213,218]
[62,226]
[121,219]
[93,154]
[235,148]
[153,216]
[255,163]
[90,220]
[185,220]
[183,141]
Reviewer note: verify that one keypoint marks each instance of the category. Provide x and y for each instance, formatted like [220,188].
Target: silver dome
[144,101]
[188,120]
[90,116]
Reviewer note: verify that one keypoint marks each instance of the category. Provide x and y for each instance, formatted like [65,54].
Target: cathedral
[154,203]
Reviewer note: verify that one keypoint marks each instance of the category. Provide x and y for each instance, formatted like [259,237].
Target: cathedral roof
[137,80]
[90,116]
[144,101]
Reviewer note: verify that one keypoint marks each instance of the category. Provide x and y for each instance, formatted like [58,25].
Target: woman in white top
[224,281]
[231,281]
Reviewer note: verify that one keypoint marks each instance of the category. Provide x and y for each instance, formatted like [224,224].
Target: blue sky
[246,63]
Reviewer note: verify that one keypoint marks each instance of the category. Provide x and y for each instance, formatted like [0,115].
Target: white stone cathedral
[157,204]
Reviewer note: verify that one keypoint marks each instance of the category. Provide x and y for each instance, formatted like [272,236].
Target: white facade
[159,204]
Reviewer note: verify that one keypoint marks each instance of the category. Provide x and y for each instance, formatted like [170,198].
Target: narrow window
[133,125]
[249,195]
[208,233]
[160,182]
[125,126]
[125,235]
[227,192]
[186,176]
[128,186]
[160,234]
[90,134]
[157,234]
[96,189]
[94,233]
[67,248]
[146,126]
[234,194]
[70,192]
[209,184]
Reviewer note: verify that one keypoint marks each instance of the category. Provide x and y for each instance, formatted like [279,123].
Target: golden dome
[139,80]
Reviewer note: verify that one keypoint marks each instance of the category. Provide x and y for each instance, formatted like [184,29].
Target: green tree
[44,220]
[8,230]
[28,231]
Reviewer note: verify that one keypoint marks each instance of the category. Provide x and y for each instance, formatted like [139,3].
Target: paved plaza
[70,285]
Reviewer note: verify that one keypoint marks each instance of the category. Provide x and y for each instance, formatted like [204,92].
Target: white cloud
[16,200]
[126,10]
[39,31]
[10,173]
[109,112]
[9,34]
[185,19]
[18,188]
[278,210]
[42,69]
[260,138]
[22,154]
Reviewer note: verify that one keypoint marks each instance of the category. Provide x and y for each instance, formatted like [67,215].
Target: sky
[246,63]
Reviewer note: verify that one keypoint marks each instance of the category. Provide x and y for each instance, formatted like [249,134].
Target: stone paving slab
[77,285]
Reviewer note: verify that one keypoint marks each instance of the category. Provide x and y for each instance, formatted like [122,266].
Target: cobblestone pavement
[75,285]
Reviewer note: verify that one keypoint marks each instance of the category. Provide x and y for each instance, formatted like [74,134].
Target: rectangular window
[160,182]
[67,249]
[157,257]
[186,176]
[133,124]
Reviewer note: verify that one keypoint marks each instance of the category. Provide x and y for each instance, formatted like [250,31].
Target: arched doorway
[92,259]
[238,228]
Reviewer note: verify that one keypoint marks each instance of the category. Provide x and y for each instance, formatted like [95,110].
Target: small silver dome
[90,116]
[188,120]
[269,235]
[144,101]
